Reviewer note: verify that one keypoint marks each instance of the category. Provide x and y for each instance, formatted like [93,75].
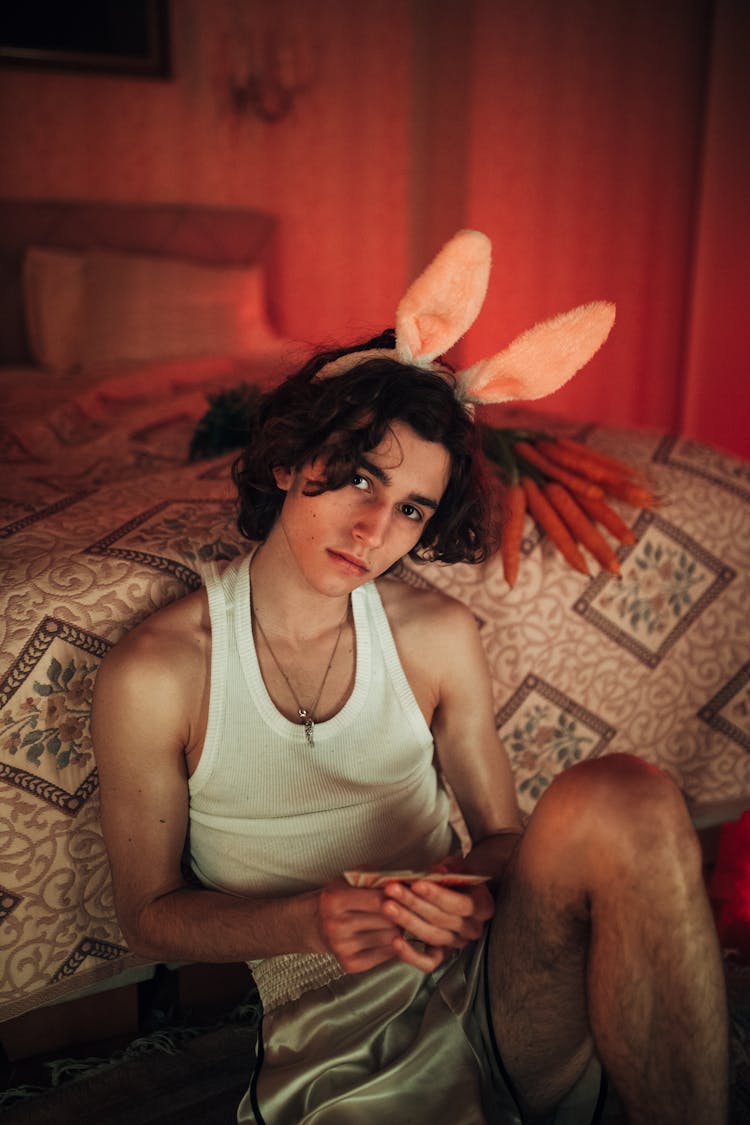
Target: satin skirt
[392,1046]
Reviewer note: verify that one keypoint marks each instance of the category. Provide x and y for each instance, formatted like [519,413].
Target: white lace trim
[287,977]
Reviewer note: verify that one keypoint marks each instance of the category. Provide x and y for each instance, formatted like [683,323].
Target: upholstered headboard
[215,235]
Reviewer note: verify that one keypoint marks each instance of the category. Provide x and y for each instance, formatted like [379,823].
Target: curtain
[716,399]
[603,146]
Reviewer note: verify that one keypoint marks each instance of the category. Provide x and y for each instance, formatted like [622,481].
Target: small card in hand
[445,878]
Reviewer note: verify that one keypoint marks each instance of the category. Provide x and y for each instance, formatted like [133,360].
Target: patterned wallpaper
[336,170]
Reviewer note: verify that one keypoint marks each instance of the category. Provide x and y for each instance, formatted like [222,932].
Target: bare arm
[476,767]
[147,713]
[471,753]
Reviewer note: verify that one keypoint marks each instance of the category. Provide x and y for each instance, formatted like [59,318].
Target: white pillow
[142,308]
[53,283]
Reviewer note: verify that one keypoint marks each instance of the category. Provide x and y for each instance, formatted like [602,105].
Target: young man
[290,721]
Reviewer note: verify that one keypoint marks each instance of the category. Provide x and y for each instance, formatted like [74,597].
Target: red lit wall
[603,146]
[717,360]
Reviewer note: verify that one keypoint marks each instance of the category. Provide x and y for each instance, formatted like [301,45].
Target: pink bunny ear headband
[445,300]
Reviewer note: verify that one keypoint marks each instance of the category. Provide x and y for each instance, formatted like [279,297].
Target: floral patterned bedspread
[102,521]
[654,663]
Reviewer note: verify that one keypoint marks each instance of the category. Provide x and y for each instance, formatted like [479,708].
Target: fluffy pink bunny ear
[541,359]
[445,299]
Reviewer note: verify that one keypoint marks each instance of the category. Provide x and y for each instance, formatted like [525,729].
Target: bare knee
[613,811]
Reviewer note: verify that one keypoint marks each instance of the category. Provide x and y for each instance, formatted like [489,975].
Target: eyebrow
[384,478]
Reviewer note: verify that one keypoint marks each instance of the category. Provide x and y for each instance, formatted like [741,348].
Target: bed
[107,362]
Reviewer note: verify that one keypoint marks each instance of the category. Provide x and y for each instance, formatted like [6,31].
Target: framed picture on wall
[109,36]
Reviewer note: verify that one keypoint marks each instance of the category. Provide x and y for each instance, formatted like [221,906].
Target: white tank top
[271,815]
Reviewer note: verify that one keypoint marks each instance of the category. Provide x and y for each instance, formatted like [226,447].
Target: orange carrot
[580,463]
[592,454]
[514,513]
[581,527]
[632,492]
[551,469]
[607,517]
[547,517]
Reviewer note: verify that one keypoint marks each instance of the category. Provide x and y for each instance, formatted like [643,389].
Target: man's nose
[371,523]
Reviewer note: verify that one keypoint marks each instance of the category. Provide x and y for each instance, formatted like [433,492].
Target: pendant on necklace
[309,725]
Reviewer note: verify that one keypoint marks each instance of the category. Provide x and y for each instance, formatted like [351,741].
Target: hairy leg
[603,940]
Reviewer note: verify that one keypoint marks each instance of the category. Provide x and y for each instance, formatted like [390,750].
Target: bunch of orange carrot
[563,484]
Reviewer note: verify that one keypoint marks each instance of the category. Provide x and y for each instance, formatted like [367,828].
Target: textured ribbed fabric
[271,815]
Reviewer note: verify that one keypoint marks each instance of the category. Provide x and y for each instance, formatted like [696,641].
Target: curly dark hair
[349,415]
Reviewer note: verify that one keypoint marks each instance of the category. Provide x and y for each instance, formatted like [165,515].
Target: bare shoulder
[174,636]
[441,650]
[158,671]
[429,621]
[413,608]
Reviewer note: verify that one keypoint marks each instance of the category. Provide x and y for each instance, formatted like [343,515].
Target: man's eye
[360,482]
[411,512]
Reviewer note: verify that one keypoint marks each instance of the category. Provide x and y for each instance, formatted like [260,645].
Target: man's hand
[440,917]
[354,928]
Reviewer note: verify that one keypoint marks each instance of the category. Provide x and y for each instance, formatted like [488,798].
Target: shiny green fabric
[390,1046]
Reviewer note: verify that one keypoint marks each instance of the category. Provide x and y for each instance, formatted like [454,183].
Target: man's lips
[350,560]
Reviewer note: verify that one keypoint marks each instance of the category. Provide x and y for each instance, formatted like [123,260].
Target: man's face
[344,537]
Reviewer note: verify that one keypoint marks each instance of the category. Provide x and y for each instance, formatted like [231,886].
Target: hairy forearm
[196,924]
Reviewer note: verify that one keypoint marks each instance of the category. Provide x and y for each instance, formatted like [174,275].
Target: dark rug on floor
[174,1076]
[738,992]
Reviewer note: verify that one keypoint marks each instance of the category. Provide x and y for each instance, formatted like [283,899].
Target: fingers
[340,898]
[442,904]
[353,927]
[437,915]
[365,927]
[423,957]
[357,958]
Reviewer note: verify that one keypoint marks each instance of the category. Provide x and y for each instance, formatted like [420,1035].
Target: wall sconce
[279,70]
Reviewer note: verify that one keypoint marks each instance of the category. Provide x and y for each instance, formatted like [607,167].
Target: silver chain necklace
[306,714]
